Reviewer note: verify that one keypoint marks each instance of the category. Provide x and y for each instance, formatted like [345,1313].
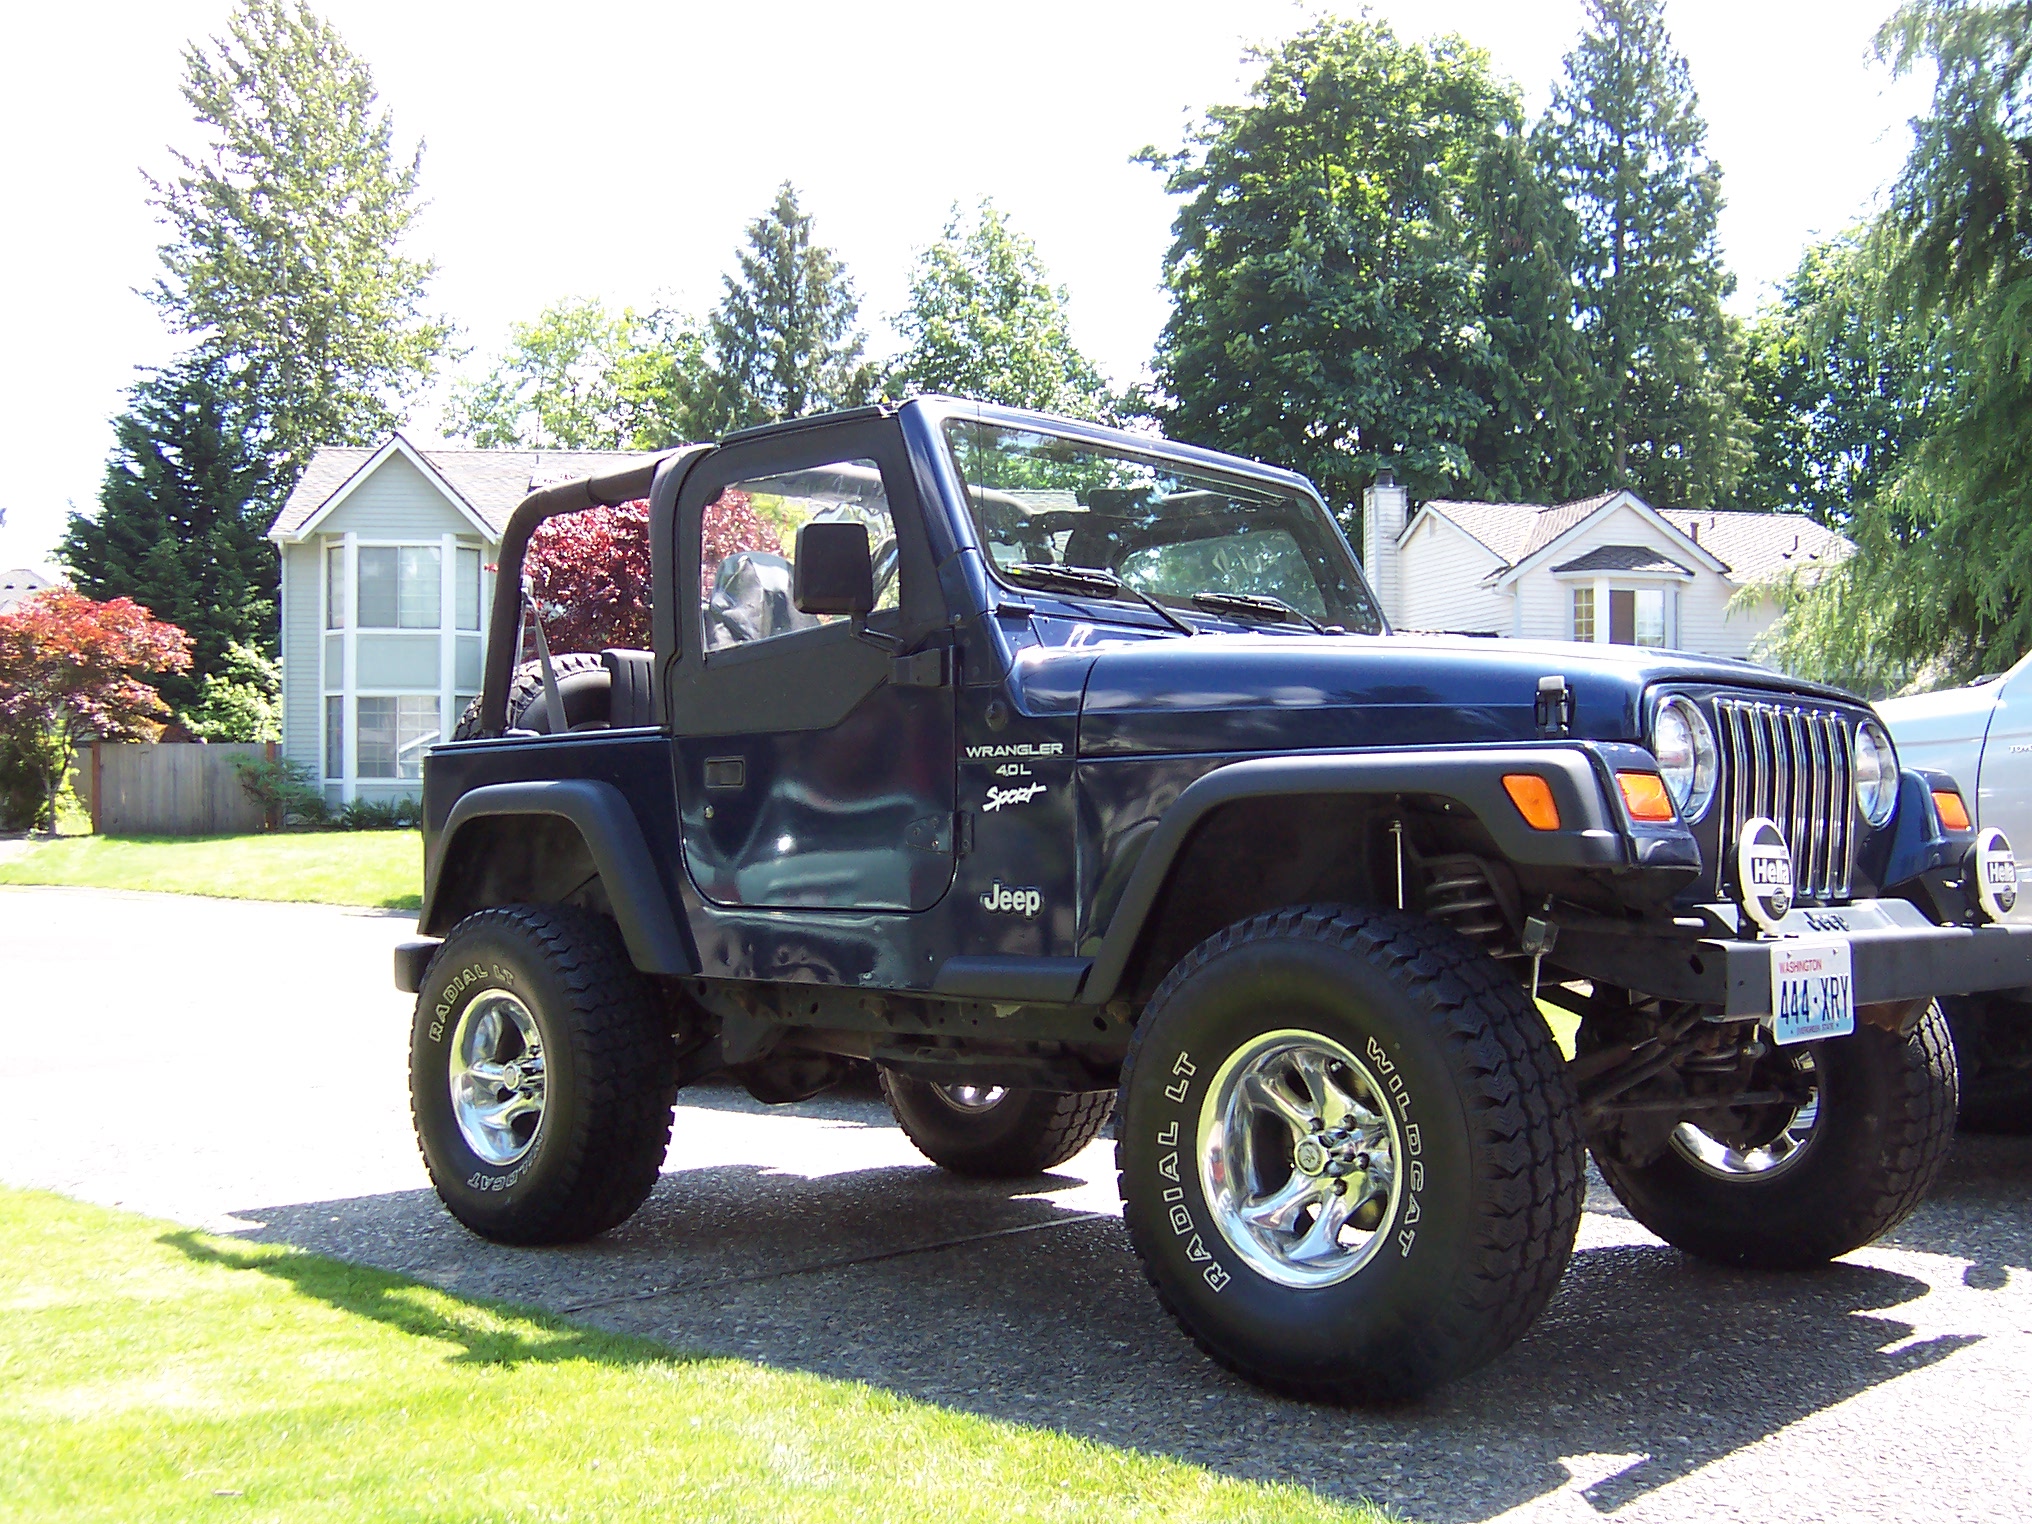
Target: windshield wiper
[1256,606]
[1095,583]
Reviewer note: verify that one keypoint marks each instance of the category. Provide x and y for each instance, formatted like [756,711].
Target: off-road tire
[583,682]
[1883,1129]
[611,1075]
[1995,1063]
[1026,1132]
[1475,1246]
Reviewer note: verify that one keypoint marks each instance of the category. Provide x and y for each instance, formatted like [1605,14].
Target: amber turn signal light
[1644,796]
[1533,797]
[1953,813]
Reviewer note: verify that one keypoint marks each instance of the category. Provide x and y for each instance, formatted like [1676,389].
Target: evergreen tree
[583,377]
[286,233]
[1623,142]
[1326,270]
[1837,387]
[985,321]
[1940,589]
[783,338]
[182,509]
[1530,446]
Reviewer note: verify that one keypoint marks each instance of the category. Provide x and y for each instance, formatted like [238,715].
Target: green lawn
[149,1373]
[383,868]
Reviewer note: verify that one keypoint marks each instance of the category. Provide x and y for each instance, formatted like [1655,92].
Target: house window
[1650,620]
[335,736]
[335,587]
[395,732]
[1637,616]
[1584,613]
[469,589]
[400,587]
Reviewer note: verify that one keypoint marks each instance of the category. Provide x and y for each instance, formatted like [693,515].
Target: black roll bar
[608,491]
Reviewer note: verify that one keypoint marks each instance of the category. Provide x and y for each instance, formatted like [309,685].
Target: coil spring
[1458,893]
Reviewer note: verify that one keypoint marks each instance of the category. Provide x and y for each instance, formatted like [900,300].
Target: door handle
[726,772]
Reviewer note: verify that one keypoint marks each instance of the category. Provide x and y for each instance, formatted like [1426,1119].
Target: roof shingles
[491,482]
[1753,547]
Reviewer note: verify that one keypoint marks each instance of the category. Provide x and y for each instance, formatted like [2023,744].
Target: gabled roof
[1624,558]
[485,485]
[1743,547]
[1760,546]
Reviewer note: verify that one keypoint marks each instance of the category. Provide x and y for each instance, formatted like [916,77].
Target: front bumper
[1898,955]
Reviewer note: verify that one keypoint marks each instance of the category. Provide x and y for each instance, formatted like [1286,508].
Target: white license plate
[1813,989]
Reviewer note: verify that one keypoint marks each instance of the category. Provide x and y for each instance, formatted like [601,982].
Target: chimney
[1385,507]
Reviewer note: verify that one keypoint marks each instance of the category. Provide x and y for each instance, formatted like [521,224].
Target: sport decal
[999,797]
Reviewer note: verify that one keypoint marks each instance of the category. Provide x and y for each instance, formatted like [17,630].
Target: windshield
[1163,529]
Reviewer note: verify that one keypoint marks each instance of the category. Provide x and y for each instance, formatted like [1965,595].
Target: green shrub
[379,814]
[284,789]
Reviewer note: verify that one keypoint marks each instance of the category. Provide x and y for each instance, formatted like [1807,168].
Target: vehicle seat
[630,702]
[751,600]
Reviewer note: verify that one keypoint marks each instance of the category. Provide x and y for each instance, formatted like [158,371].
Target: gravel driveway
[240,1066]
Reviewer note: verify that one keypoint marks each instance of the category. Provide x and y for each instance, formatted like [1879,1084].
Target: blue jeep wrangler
[1063,772]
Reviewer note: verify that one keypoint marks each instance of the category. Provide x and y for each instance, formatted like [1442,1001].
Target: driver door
[815,769]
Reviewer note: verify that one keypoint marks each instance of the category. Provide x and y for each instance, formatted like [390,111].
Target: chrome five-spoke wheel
[1299,1156]
[1768,1150]
[496,1065]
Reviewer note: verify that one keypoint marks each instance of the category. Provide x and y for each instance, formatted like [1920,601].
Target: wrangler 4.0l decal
[1015,749]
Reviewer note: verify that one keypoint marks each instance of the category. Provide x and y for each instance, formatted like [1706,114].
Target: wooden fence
[170,788]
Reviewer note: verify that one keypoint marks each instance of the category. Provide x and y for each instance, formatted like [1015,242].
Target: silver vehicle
[1982,734]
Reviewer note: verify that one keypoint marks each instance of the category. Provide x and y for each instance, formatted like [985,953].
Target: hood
[1220,693]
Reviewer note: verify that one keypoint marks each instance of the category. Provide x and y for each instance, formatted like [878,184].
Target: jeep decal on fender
[1025,901]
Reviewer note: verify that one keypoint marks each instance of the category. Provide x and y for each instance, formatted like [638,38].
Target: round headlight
[1685,747]
[1876,773]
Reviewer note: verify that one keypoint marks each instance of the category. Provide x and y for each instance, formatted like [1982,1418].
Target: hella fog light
[1993,870]
[1876,773]
[1685,747]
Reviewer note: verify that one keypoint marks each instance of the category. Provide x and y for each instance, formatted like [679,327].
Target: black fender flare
[613,836]
[1593,831]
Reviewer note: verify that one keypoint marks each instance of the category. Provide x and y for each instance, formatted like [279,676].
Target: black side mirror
[834,574]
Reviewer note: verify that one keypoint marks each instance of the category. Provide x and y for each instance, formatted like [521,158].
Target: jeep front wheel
[1349,1157]
[995,1131]
[1810,1180]
[541,1075]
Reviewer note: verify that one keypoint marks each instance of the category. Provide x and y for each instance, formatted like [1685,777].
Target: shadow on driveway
[999,1300]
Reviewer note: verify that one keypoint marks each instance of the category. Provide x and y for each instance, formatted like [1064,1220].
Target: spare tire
[583,682]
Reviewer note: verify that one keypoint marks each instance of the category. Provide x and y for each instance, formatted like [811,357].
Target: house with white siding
[1610,568]
[18,584]
[387,573]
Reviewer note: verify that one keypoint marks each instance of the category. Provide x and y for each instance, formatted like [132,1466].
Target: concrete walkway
[240,1066]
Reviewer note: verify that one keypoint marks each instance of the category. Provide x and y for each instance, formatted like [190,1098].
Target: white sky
[618,149]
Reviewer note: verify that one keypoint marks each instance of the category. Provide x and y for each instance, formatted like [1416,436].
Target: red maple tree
[590,572]
[70,669]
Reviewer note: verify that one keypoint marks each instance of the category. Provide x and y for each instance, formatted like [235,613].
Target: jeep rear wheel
[1826,1176]
[1993,1051]
[995,1131]
[1349,1159]
[541,1075]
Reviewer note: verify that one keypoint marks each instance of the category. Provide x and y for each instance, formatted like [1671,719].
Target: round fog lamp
[1993,869]
[1684,745]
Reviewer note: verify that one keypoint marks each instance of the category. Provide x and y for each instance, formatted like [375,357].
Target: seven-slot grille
[1796,766]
